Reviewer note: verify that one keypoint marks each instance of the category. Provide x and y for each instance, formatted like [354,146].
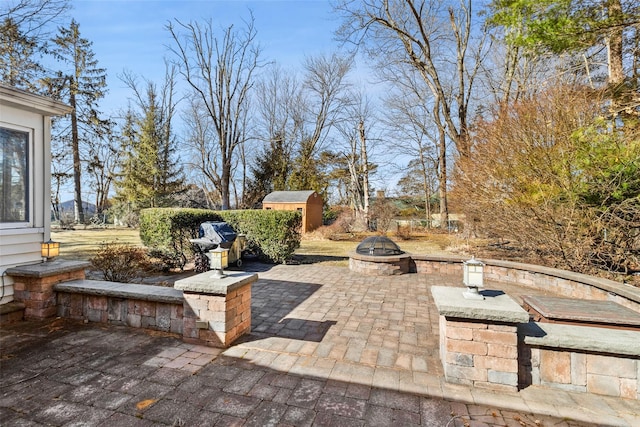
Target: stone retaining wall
[77,303]
[560,282]
[491,343]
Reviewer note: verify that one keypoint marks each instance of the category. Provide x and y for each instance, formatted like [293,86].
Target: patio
[327,347]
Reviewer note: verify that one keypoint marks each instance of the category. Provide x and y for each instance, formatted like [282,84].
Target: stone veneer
[479,338]
[580,358]
[387,265]
[218,311]
[34,285]
[138,306]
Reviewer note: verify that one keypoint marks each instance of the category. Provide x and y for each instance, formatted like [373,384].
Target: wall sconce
[473,272]
[50,249]
[219,260]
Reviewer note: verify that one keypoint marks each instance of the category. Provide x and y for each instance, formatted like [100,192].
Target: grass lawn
[82,244]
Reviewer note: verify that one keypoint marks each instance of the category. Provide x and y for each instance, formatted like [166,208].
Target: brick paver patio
[328,347]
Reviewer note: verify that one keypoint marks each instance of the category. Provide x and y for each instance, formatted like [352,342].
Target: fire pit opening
[378,246]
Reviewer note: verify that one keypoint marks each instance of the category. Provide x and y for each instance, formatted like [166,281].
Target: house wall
[20,242]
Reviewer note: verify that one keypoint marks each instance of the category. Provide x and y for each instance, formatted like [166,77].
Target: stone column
[479,338]
[33,284]
[217,311]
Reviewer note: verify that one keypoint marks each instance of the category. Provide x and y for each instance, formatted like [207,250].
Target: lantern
[219,258]
[473,271]
[50,249]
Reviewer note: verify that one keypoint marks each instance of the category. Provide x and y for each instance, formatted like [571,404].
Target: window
[14,177]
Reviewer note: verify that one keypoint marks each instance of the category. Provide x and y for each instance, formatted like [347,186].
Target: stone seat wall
[560,282]
[203,309]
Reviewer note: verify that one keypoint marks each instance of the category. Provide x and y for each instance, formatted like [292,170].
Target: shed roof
[288,196]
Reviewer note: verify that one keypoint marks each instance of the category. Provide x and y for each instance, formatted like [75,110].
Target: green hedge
[166,231]
[276,234]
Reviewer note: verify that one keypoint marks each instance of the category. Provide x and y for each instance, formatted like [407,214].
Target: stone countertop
[497,306]
[121,290]
[45,269]
[208,283]
[583,338]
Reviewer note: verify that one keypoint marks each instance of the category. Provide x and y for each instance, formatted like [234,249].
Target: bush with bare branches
[550,173]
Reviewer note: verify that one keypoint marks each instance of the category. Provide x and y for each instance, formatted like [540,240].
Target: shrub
[168,230]
[403,232]
[276,234]
[120,262]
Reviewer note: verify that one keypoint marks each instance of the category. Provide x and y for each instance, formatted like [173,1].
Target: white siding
[20,242]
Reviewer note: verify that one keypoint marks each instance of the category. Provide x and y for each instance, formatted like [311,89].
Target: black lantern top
[378,246]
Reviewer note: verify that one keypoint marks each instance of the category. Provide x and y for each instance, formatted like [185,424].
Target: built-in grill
[378,246]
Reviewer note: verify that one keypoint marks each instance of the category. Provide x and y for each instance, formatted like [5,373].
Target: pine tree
[18,65]
[150,174]
[81,86]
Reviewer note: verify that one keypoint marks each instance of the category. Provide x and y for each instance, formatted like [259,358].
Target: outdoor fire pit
[379,256]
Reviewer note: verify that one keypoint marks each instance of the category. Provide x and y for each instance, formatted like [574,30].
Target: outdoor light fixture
[50,249]
[219,261]
[473,278]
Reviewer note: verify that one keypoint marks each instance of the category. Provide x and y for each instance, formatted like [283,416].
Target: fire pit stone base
[379,265]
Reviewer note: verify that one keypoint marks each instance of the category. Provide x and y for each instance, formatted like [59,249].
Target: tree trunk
[365,174]
[615,44]
[442,166]
[77,167]
[425,189]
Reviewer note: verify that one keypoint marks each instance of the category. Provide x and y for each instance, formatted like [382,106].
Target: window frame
[29,196]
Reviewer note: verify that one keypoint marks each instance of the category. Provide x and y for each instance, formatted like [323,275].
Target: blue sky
[131,35]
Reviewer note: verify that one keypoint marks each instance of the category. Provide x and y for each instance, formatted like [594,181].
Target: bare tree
[220,72]
[411,119]
[423,34]
[102,163]
[33,16]
[356,129]
[325,91]
[279,122]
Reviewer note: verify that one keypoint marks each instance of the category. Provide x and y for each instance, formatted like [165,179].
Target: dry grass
[336,252]
[84,244]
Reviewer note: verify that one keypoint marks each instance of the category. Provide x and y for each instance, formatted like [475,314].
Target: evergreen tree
[150,173]
[18,65]
[81,86]
[24,31]
[270,172]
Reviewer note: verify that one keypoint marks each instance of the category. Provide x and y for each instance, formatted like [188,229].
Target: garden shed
[308,202]
[25,180]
